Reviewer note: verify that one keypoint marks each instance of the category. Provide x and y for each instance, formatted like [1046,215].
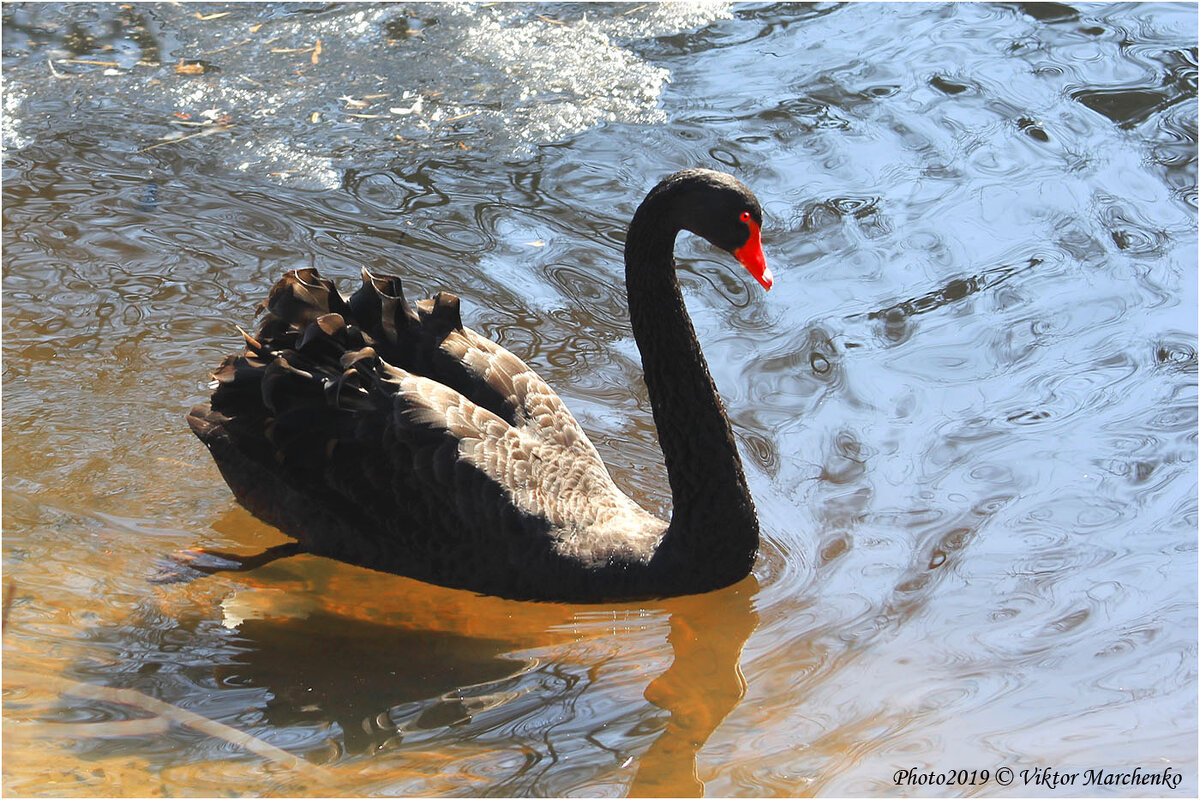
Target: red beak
[751,257]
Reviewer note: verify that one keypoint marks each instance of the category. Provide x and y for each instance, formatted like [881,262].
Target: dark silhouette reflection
[333,663]
[441,651]
[329,668]
[702,685]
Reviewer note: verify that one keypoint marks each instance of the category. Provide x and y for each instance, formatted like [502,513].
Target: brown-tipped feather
[251,342]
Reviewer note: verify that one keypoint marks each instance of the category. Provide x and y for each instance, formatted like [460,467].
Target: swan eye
[745,216]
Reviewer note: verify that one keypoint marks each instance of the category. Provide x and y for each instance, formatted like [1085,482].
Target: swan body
[397,439]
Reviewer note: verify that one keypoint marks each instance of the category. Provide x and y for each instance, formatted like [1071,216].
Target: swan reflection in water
[701,687]
[375,682]
[396,686]
[340,664]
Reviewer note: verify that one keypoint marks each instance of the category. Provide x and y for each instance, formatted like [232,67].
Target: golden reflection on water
[338,645]
[698,690]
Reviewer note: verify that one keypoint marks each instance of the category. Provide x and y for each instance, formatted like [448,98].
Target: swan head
[720,208]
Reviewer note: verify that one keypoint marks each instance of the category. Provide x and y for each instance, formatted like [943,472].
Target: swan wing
[431,341]
[465,473]
[536,405]
[566,485]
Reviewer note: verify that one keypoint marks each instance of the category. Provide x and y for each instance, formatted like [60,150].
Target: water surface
[967,408]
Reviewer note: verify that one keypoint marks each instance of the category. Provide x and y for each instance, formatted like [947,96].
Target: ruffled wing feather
[400,440]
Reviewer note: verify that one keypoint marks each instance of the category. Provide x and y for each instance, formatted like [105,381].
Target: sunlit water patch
[500,77]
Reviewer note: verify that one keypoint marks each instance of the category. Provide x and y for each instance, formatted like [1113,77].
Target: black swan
[397,439]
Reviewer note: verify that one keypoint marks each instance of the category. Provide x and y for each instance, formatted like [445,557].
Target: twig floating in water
[218,730]
[226,47]
[88,61]
[205,132]
[10,593]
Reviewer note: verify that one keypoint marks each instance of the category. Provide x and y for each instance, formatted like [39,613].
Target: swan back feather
[429,449]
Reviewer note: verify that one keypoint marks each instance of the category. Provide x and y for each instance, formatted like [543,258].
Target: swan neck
[713,515]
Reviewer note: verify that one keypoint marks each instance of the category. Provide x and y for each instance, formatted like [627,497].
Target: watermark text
[1042,778]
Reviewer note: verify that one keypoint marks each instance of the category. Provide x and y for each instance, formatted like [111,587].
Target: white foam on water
[10,120]
[502,76]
